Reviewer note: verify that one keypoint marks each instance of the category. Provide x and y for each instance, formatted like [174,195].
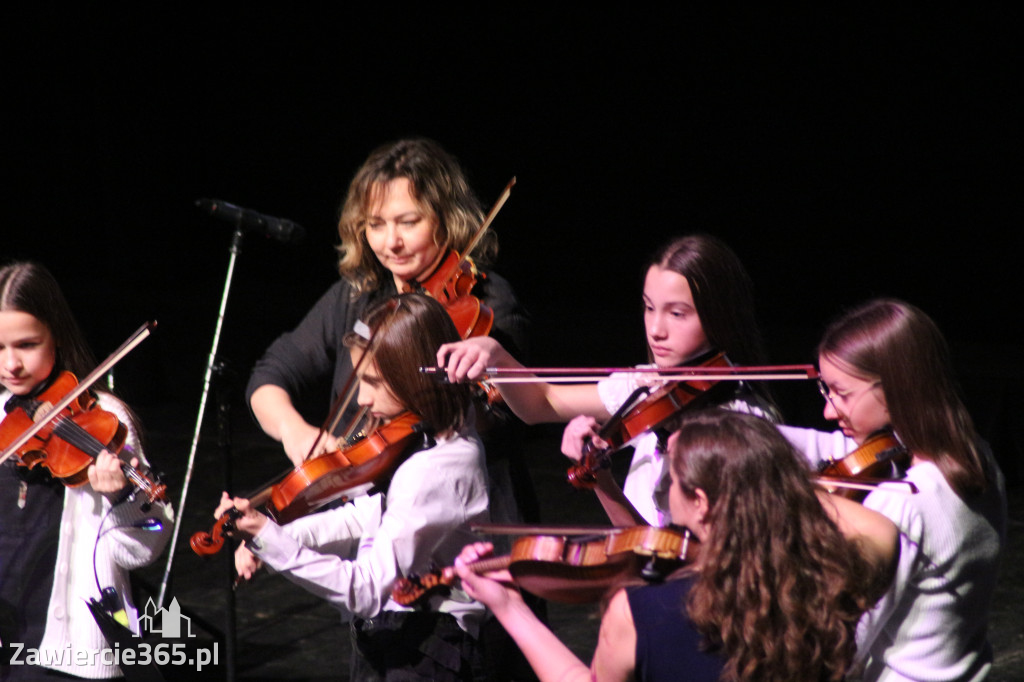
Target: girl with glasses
[885,366]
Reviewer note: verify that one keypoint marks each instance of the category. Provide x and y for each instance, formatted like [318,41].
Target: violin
[66,441]
[338,474]
[568,569]
[453,280]
[872,460]
[451,284]
[332,476]
[644,411]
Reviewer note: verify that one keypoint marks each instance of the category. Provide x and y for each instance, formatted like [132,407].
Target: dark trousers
[412,645]
[29,529]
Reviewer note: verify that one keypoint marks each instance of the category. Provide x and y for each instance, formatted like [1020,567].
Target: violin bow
[491,215]
[865,483]
[84,385]
[565,375]
[489,219]
[534,529]
[341,403]
[346,394]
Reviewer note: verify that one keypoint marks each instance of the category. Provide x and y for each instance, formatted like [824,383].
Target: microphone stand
[212,367]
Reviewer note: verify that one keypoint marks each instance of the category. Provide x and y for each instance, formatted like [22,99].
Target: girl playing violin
[353,555]
[886,366]
[697,298]
[774,593]
[49,533]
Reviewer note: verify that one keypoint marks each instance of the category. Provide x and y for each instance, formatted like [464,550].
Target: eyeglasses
[849,398]
[824,390]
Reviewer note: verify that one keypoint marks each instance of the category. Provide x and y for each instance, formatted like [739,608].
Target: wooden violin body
[640,414]
[873,460]
[343,473]
[566,569]
[453,280]
[71,439]
[332,476]
[451,284]
[67,465]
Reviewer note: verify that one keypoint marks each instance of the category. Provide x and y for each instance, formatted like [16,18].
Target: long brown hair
[896,343]
[723,295]
[439,187]
[29,287]
[407,331]
[779,588]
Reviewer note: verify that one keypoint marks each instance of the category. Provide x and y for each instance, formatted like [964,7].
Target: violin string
[73,433]
[350,390]
[79,437]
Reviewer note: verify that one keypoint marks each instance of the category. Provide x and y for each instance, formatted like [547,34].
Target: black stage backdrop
[842,155]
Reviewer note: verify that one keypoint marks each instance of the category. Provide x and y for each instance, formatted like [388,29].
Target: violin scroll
[583,475]
[332,476]
[206,543]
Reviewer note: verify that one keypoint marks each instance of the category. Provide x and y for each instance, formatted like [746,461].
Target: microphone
[278,228]
[110,601]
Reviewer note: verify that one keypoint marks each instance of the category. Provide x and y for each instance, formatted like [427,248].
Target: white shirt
[932,623]
[352,556]
[648,480]
[121,548]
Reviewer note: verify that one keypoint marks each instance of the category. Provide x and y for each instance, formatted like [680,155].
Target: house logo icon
[165,622]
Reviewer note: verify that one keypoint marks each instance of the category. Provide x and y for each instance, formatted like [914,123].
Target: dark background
[842,155]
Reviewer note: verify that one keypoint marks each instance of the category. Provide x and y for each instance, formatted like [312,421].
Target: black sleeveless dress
[668,646]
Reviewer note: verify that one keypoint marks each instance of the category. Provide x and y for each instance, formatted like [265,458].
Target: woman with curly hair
[408,204]
[783,574]
[405,208]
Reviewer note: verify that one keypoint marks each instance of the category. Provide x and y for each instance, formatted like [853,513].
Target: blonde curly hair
[439,187]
